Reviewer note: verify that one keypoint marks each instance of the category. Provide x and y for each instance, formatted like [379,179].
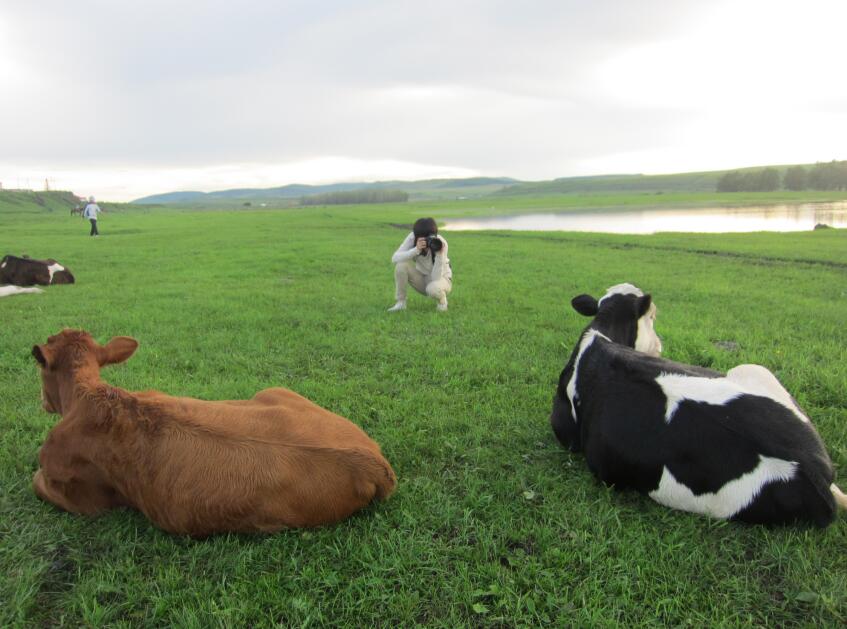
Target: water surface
[775,218]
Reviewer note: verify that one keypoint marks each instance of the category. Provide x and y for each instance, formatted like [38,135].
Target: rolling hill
[472,187]
[32,202]
[425,189]
[705,181]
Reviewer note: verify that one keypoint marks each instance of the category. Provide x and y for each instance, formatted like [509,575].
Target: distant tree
[828,176]
[841,176]
[819,176]
[768,180]
[730,182]
[795,178]
[764,180]
[750,182]
[247,204]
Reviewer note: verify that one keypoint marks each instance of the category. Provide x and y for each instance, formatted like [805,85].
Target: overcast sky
[122,99]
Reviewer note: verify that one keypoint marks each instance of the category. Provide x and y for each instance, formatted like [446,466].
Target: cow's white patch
[5,291]
[584,344]
[678,387]
[744,379]
[646,339]
[758,380]
[53,268]
[3,266]
[621,289]
[729,499]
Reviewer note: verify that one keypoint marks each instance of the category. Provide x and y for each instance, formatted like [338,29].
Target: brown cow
[192,466]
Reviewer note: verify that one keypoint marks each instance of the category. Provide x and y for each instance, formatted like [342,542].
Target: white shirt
[424,263]
[91,211]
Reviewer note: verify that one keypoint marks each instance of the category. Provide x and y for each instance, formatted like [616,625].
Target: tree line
[822,176]
[350,197]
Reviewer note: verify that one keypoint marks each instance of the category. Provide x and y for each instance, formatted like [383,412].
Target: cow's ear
[43,355]
[585,305]
[117,350]
[644,305]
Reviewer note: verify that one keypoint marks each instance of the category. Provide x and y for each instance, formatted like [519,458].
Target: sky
[123,99]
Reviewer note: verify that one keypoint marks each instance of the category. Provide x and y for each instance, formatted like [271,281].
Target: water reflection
[776,218]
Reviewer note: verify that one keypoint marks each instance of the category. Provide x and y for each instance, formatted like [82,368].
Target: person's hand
[421,244]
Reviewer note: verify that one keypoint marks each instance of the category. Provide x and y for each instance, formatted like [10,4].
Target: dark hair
[424,227]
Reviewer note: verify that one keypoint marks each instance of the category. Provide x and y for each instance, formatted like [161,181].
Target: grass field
[493,523]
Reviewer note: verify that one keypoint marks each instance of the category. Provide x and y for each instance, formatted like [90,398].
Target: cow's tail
[840,498]
[376,470]
[374,479]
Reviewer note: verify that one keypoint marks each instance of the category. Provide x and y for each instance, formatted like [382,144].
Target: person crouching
[422,262]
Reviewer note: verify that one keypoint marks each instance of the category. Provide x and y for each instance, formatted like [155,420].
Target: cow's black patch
[26,271]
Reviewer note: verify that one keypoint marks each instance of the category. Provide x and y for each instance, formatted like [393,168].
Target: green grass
[493,523]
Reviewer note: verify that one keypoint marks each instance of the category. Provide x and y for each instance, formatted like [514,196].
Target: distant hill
[55,201]
[705,181]
[470,187]
[32,202]
[424,189]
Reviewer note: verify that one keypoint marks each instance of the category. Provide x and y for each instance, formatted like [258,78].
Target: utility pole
[46,185]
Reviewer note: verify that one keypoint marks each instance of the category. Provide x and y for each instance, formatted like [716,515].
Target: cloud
[533,90]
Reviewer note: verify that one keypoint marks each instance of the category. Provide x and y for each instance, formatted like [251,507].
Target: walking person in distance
[91,211]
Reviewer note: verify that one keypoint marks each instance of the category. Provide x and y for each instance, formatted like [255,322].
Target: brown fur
[192,466]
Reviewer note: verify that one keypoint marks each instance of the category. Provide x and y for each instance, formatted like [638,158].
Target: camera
[434,243]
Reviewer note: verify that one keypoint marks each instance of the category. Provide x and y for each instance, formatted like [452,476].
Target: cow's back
[255,465]
[22,272]
[748,457]
[274,415]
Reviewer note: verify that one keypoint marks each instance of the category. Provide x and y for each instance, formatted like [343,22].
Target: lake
[775,218]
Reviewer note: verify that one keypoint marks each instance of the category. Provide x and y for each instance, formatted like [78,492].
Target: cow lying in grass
[26,271]
[191,466]
[733,446]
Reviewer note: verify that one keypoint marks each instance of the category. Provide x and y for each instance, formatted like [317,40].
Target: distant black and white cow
[733,446]
[29,272]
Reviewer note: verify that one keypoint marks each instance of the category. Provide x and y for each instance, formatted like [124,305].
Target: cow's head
[72,352]
[625,315]
[63,277]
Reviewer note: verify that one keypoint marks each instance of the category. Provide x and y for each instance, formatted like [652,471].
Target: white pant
[406,273]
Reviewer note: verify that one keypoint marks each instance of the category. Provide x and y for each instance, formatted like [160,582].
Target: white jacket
[424,263]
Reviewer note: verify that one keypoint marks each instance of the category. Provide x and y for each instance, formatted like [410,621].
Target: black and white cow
[29,272]
[733,445]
